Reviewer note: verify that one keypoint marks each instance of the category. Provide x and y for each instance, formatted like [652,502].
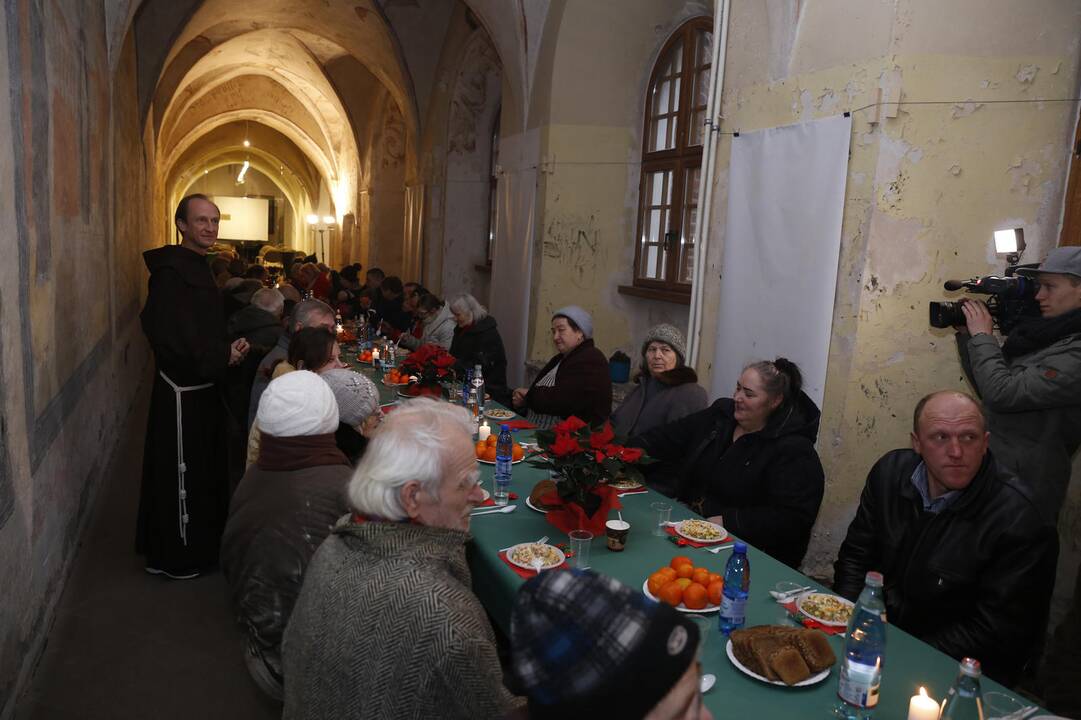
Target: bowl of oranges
[396,378]
[485,450]
[685,587]
[365,356]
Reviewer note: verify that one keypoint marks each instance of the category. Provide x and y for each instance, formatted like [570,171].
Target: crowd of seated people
[345,545]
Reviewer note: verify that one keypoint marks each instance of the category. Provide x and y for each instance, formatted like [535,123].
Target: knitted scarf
[1038,333]
[296,453]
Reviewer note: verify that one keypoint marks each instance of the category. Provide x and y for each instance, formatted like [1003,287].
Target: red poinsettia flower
[570,425]
[598,440]
[443,361]
[630,454]
[565,445]
[599,456]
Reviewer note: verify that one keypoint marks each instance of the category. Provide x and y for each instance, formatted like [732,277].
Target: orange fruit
[489,453]
[480,448]
[714,577]
[668,573]
[679,560]
[701,576]
[683,582]
[716,589]
[517,453]
[493,439]
[695,596]
[656,582]
[686,570]
[672,594]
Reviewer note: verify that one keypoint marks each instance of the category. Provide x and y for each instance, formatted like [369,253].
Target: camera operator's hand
[978,317]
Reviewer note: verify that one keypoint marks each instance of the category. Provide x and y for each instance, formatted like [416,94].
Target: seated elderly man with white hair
[386,625]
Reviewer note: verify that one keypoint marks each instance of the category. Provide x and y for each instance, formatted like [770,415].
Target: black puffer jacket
[277,520]
[973,580]
[768,485]
[481,343]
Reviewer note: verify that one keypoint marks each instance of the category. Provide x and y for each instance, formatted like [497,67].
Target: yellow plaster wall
[925,190]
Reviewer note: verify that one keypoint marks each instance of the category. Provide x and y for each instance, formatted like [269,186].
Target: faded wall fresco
[72,357]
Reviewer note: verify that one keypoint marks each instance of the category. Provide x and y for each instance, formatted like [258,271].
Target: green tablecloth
[909,663]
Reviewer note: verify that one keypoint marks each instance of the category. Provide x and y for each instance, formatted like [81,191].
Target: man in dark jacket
[185,492]
[393,315]
[968,560]
[282,510]
[260,322]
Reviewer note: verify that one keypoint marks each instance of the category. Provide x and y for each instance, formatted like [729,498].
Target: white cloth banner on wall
[786,192]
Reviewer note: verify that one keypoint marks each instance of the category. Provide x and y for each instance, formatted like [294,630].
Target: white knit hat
[581,318]
[297,403]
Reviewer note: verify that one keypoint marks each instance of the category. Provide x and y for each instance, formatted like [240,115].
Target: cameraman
[1031,385]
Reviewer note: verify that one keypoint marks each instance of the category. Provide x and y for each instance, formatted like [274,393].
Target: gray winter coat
[387,626]
[1034,407]
[439,330]
[659,401]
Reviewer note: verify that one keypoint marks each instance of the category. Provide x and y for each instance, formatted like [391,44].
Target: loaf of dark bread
[762,648]
[815,649]
[544,487]
[788,665]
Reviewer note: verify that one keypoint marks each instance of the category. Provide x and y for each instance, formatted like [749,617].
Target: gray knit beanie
[670,336]
[581,318]
[357,396]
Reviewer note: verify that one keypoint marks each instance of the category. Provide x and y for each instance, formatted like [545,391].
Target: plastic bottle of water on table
[865,654]
[504,455]
[965,701]
[737,586]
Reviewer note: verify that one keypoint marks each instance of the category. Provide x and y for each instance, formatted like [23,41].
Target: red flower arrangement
[585,459]
[430,363]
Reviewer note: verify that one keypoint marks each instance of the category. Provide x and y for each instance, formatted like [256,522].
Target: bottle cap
[874,579]
[504,427]
[971,667]
[740,547]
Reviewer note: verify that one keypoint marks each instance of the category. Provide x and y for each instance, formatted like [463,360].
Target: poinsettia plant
[584,458]
[430,363]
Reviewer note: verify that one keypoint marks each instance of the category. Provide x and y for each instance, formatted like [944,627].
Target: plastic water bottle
[478,382]
[737,586]
[865,653]
[466,387]
[964,701]
[504,455]
[471,406]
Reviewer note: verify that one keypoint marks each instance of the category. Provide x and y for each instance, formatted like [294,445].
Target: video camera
[1012,298]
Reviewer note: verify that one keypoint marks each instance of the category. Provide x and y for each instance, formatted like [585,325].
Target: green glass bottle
[964,701]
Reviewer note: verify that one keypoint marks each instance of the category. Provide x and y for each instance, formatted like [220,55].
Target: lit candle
[921,707]
[483,431]
[375,354]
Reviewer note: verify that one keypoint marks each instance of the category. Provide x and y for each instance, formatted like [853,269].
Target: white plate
[831,623]
[497,414]
[629,488]
[510,558]
[531,506]
[813,680]
[679,531]
[681,607]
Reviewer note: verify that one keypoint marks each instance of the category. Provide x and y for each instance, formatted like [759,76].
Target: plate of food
[396,379]
[498,413]
[826,608]
[524,556]
[529,504]
[701,531]
[624,484]
[685,587]
[781,655]
[485,451]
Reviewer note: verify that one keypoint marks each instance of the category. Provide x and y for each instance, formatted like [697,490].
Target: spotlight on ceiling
[247,143]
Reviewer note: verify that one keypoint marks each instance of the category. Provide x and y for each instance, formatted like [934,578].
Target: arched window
[672,161]
[493,185]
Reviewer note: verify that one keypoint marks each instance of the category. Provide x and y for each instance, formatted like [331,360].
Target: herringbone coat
[387,626]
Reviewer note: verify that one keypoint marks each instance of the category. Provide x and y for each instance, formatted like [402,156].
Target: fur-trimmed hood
[675,377]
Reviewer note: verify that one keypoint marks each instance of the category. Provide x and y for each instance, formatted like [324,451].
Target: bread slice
[816,650]
[763,647]
[788,665]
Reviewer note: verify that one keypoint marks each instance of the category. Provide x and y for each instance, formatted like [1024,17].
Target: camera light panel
[1008,241]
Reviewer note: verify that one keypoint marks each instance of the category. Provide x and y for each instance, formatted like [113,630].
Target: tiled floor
[126,645]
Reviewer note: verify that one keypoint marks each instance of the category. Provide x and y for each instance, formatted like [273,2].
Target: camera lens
[946,314]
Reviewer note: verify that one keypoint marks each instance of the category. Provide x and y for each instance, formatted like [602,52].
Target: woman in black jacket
[748,462]
[477,342]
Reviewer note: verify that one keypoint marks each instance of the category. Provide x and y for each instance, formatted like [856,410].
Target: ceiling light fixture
[243,172]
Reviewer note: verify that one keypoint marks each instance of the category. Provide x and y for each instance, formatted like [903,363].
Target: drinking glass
[580,541]
[706,626]
[662,512]
[1000,705]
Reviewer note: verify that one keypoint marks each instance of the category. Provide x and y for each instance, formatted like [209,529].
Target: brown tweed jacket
[387,626]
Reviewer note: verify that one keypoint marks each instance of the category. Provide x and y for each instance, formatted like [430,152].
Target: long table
[910,663]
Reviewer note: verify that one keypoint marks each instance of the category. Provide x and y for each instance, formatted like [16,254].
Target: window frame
[679,159]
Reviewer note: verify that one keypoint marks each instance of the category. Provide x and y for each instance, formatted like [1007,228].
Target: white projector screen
[243,218]
[786,193]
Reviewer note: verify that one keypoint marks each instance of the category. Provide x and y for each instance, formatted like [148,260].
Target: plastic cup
[580,541]
[616,531]
[662,512]
[998,705]
[706,626]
